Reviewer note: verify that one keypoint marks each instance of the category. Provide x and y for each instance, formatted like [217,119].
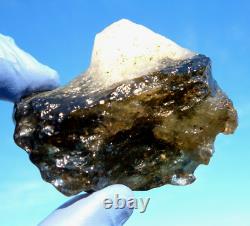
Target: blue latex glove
[20,75]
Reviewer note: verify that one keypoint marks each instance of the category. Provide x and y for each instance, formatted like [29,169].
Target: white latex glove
[90,211]
[20,75]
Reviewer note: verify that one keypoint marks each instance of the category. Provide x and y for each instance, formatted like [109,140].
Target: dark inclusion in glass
[144,133]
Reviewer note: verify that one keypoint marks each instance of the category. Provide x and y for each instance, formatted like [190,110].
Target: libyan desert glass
[144,114]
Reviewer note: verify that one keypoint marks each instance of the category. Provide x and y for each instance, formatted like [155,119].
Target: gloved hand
[90,210]
[20,75]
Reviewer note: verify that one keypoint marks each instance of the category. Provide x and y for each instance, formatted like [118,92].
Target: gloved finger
[94,209]
[10,87]
[21,74]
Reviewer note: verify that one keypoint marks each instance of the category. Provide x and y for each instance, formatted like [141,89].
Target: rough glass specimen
[145,113]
